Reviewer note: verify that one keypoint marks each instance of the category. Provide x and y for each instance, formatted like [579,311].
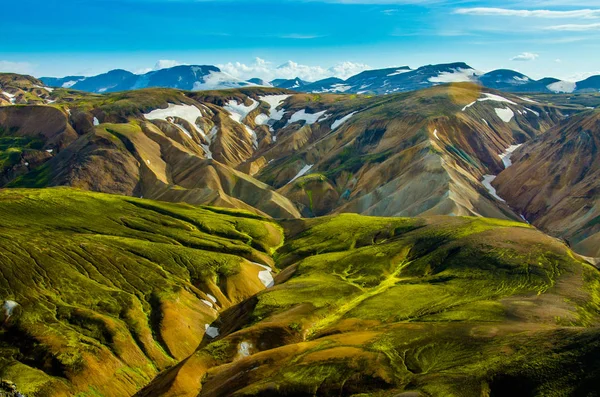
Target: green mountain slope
[116,294]
[111,290]
[434,306]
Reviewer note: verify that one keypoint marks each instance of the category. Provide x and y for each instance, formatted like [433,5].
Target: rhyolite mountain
[555,182]
[185,77]
[279,153]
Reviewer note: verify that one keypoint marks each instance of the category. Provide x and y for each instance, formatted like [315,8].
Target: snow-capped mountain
[186,77]
[392,80]
[290,84]
[378,82]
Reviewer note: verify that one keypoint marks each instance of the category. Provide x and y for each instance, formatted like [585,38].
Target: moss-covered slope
[111,290]
[432,306]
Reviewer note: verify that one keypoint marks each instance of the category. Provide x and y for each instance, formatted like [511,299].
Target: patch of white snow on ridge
[303,171]
[436,135]
[562,87]
[456,76]
[69,84]
[189,113]
[184,130]
[487,182]
[44,88]
[96,122]
[9,306]
[341,121]
[308,118]
[207,303]
[335,88]
[274,102]
[505,157]
[505,115]
[213,332]
[489,97]
[212,298]
[398,72]
[244,349]
[526,99]
[239,111]
[495,98]
[265,276]
[469,105]
[11,97]
[533,111]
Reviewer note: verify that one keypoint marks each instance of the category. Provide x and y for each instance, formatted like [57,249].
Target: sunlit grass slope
[434,306]
[111,289]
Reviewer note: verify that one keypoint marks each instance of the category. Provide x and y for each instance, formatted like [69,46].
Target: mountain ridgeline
[380,81]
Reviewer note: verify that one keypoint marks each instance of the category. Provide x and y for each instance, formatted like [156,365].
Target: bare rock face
[555,182]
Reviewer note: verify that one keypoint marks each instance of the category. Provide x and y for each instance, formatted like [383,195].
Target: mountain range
[382,81]
[260,241]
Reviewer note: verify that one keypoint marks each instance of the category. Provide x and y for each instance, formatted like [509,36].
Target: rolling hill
[121,294]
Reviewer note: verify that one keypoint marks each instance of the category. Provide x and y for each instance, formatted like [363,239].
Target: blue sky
[321,37]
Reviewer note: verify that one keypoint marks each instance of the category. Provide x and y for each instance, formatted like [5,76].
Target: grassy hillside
[111,290]
[429,306]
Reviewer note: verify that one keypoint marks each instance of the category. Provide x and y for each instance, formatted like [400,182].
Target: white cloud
[289,70]
[484,11]
[574,27]
[165,64]
[525,57]
[16,67]
[558,60]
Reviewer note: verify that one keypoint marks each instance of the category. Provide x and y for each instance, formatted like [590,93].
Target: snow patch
[526,99]
[69,84]
[341,121]
[96,122]
[469,105]
[11,97]
[308,118]
[457,75]
[207,303]
[9,307]
[487,182]
[213,332]
[189,113]
[212,298]
[398,72]
[244,349]
[49,150]
[505,157]
[239,111]
[533,111]
[274,102]
[265,276]
[489,97]
[436,135]
[505,115]
[562,87]
[303,171]
[44,88]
